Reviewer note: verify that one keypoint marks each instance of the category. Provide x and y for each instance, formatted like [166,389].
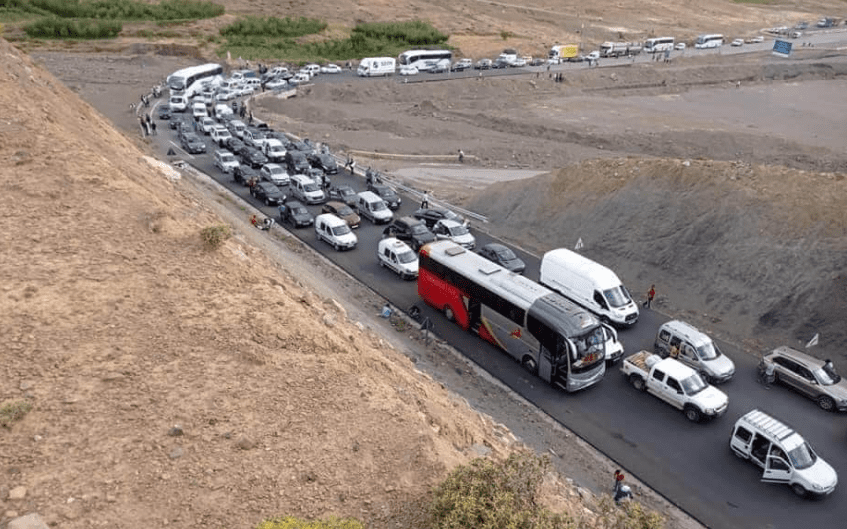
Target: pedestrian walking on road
[143,126]
[425,200]
[650,295]
[153,127]
[461,156]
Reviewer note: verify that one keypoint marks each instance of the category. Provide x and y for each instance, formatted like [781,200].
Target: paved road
[690,464]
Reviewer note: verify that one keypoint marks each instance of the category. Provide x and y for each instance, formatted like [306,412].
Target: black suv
[267,193]
[192,143]
[430,216]
[325,162]
[387,194]
[410,230]
[252,157]
[295,214]
[244,173]
[297,162]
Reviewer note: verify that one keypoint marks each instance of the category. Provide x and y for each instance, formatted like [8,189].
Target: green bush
[57,28]
[289,522]
[214,236]
[273,27]
[120,9]
[13,411]
[489,495]
[628,515]
[411,33]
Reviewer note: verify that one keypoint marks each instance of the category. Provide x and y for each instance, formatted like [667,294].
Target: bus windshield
[590,347]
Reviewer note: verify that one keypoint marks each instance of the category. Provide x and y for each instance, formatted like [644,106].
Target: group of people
[265,225]
[148,126]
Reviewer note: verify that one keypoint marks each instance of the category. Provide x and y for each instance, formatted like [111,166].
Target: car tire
[692,414]
[267,202]
[799,490]
[826,403]
[529,364]
[448,313]
[336,247]
[637,382]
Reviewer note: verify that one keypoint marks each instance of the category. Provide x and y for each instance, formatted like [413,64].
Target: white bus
[552,337]
[189,81]
[658,44]
[425,60]
[709,41]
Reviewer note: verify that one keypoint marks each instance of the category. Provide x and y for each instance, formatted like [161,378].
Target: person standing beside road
[461,156]
[143,126]
[650,295]
[153,128]
[425,200]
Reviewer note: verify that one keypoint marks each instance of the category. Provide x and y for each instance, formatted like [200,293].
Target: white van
[694,349]
[376,66]
[396,255]
[589,284]
[311,69]
[178,103]
[335,231]
[237,128]
[372,207]
[783,454]
[306,190]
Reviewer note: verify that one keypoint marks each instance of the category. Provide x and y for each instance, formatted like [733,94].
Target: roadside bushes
[119,9]
[58,28]
[409,33]
[214,236]
[273,27]
[289,522]
[13,411]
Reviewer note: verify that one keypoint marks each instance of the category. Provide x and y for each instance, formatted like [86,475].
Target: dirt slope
[117,324]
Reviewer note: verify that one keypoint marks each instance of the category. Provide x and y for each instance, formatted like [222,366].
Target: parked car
[274,149]
[267,193]
[343,211]
[456,232]
[324,161]
[461,65]
[538,61]
[297,162]
[244,173]
[695,349]
[192,143]
[755,39]
[438,68]
[391,198]
[343,193]
[482,64]
[519,63]
[408,70]
[432,215]
[737,42]
[802,25]
[808,376]
[253,157]
[397,256]
[296,214]
[500,64]
[679,46]
[207,124]
[278,83]
[331,68]
[233,144]
[335,231]
[275,174]
[409,230]
[503,256]
[225,160]
[164,112]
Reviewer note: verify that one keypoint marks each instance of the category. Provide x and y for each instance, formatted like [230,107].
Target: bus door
[474,313]
[545,364]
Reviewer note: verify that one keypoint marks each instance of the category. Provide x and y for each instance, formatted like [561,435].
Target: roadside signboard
[781,48]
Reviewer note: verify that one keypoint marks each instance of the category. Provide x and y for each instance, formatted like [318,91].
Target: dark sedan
[432,215]
[325,162]
[343,193]
[192,143]
[267,193]
[164,112]
[342,211]
[244,173]
[391,198]
[296,214]
[503,256]
[410,230]
[254,158]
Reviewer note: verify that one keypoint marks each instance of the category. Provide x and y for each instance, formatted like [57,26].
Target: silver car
[809,376]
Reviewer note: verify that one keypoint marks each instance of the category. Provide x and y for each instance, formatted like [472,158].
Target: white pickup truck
[675,383]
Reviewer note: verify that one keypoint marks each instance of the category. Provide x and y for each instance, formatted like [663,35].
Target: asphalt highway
[690,464]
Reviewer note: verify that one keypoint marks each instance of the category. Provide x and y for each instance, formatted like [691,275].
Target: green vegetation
[13,411]
[59,28]
[628,515]
[289,522]
[272,38]
[489,495]
[117,9]
[214,236]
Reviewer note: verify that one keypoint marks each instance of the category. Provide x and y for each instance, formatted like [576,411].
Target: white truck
[560,53]
[620,49]
[675,383]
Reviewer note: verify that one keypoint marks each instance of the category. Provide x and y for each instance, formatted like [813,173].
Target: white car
[396,255]
[225,94]
[222,110]
[737,42]
[275,174]
[274,149]
[220,134]
[207,124]
[519,62]
[331,68]
[300,78]
[198,111]
[455,231]
[679,46]
[277,83]
[225,161]
[408,70]
[756,39]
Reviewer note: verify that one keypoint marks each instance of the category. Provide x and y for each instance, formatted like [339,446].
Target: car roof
[337,204]
[787,352]
[409,221]
[449,223]
[394,243]
[674,368]
[686,330]
[495,247]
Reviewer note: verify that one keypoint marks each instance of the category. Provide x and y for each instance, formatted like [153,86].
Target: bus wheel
[448,313]
[529,364]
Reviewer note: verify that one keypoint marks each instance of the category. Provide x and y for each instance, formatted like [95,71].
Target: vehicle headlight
[710,411]
[817,487]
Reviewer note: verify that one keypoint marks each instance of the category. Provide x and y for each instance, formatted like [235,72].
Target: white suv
[225,161]
[396,255]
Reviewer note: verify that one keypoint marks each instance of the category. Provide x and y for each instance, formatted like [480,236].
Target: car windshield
[310,187]
[341,230]
[617,297]
[418,229]
[345,211]
[298,210]
[802,456]
[506,254]
[407,257]
[708,351]
[458,230]
[228,158]
[275,170]
[693,384]
[378,206]
[450,215]
[827,377]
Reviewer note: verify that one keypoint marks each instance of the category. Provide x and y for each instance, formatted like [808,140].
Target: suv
[458,233]
[220,135]
[411,230]
[306,190]
[324,161]
[808,376]
[694,349]
[297,162]
[296,214]
[243,174]
[225,161]
[274,174]
[392,200]
[783,454]
[397,256]
[267,193]
[252,157]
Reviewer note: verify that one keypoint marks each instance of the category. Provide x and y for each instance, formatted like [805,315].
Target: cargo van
[376,66]
[178,103]
[783,454]
[306,190]
[237,128]
[335,231]
[589,284]
[374,208]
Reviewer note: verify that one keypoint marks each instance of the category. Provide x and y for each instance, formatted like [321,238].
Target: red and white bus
[550,336]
